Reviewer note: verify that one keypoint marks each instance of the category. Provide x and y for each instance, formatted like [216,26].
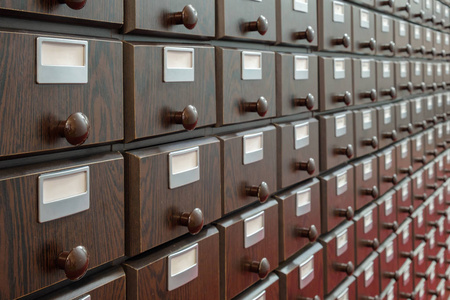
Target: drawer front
[384,35]
[364,81]
[383,6]
[420,263]
[401,38]
[417,77]
[252,98]
[37,127]
[439,111]
[402,79]
[266,289]
[367,278]
[415,14]
[346,290]
[185,168]
[297,86]
[335,82]
[366,233]
[430,180]
[416,39]
[405,282]
[336,139]
[401,8]
[428,76]
[428,42]
[439,168]
[430,145]
[189,268]
[387,222]
[68,191]
[438,70]
[386,170]
[428,110]
[403,123]
[299,217]
[366,132]
[254,170]
[404,200]
[388,261]
[160,17]
[405,242]
[419,226]
[188,72]
[366,181]
[386,81]
[447,67]
[403,157]
[387,132]
[418,188]
[334,26]
[297,22]
[417,151]
[238,19]
[437,35]
[240,250]
[363,31]
[337,197]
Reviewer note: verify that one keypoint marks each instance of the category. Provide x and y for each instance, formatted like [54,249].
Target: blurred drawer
[346,290]
[387,170]
[167,89]
[402,8]
[336,139]
[297,84]
[420,264]
[428,42]
[299,217]
[387,219]
[171,172]
[405,242]
[367,277]
[366,232]
[337,197]
[170,18]
[268,288]
[363,31]
[418,188]
[336,84]
[419,226]
[403,123]
[415,13]
[417,151]
[298,151]
[187,269]
[386,81]
[439,109]
[249,242]
[364,81]
[384,35]
[430,182]
[417,115]
[334,26]
[86,97]
[405,282]
[416,39]
[430,146]
[428,76]
[404,200]
[403,158]
[366,181]
[366,131]
[438,41]
[441,177]
[401,38]
[402,79]
[249,167]
[61,202]
[417,77]
[245,85]
[387,133]
[390,292]
[388,261]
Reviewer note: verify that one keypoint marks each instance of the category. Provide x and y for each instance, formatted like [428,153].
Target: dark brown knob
[433,258]
[392,226]
[74,262]
[421,159]
[390,135]
[311,233]
[433,186]
[308,166]
[188,117]
[261,192]
[390,47]
[74,4]
[432,153]
[261,268]
[442,213]
[373,142]
[442,85]
[408,128]
[347,268]
[308,34]
[420,50]
[347,151]
[442,245]
[371,44]
[422,237]
[392,92]
[392,275]
[75,129]
[308,101]
[441,178]
[371,192]
[374,244]
[409,255]
[408,86]
[193,220]
[187,17]
[409,170]
[422,275]
[440,23]
[433,293]
[372,95]
[431,19]
[408,49]
[432,120]
[443,276]
[261,106]
[346,213]
[407,209]
[392,179]
[422,86]
[433,224]
[344,41]
[442,117]
[261,25]
[432,86]
[406,8]
[419,15]
[370,298]
[432,51]
[389,3]
[345,98]
[410,296]
[422,197]
[421,124]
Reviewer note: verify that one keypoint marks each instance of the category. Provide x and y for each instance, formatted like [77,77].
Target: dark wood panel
[366,186]
[371,287]
[364,236]
[387,208]
[365,138]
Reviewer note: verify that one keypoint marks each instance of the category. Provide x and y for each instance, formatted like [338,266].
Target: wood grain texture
[147,276]
[270,286]
[149,100]
[386,216]
[329,30]
[32,118]
[151,17]
[363,251]
[330,87]
[362,86]
[151,202]
[363,135]
[361,198]
[368,288]
[385,125]
[29,249]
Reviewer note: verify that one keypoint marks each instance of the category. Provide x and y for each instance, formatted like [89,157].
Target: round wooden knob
[346,213]
[187,17]
[432,86]
[374,244]
[408,49]
[407,209]
[261,106]
[441,178]
[346,98]
[392,179]
[192,220]
[422,275]
[442,213]
[433,153]
[373,142]
[371,192]
[261,268]
[420,50]
[433,120]
[347,268]
[409,254]
[188,117]
[308,34]
[442,85]
[406,8]
[442,245]
[347,151]
[422,197]
[311,233]
[422,237]
[75,129]
[409,170]
[309,102]
[430,19]
[261,25]
[440,23]
[308,166]
[443,54]
[261,192]
[372,95]
[344,41]
[392,92]
[390,135]
[392,226]
[390,47]
[442,117]
[74,4]
[419,15]
[431,52]
[421,159]
[433,186]
[421,124]
[371,44]
[408,86]
[389,3]
[408,128]
[422,86]
[392,275]
[74,262]
[433,258]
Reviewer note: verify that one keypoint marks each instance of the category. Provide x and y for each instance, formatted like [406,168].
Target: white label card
[430,137]
[365,68]
[428,35]
[368,222]
[301,5]
[251,65]
[303,202]
[405,235]
[419,180]
[404,149]
[417,69]
[253,148]
[391,294]
[403,110]
[402,29]
[339,68]
[343,295]
[341,183]
[386,69]
[179,64]
[403,69]
[389,252]
[417,30]
[254,229]
[429,69]
[301,67]
[367,167]
[438,7]
[421,256]
[301,135]
[385,24]
[367,119]
[405,192]
[364,19]
[438,37]
[420,218]
[342,242]
[184,167]
[387,114]
[338,12]
[406,275]
[418,143]
[306,272]
[182,267]
[368,275]
[388,206]
[341,125]
[388,160]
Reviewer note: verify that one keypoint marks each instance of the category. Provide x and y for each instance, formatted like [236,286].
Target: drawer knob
[409,170]
[430,19]
[344,41]
[442,145]
[422,275]
[409,254]
[431,52]
[261,106]
[261,268]
[420,15]
[74,4]
[74,262]
[443,53]
[347,151]
[421,86]
[374,244]
[442,117]
[261,25]
[432,153]
[442,85]
[440,23]
[346,98]
[193,220]
[392,275]
[311,233]
[261,191]
[389,3]
[346,268]
[432,86]
[421,124]
[390,135]
[422,197]
[441,178]
[443,245]
[371,192]
[372,95]
[392,92]
[390,47]
[406,8]
[346,213]
[392,226]
[432,187]
[407,209]
[442,213]
[309,101]
[433,258]
[433,224]
[421,159]
[308,34]
[420,50]
[408,49]
[187,17]
[373,142]
[75,129]
[309,166]
[408,86]
[408,128]
[392,179]
[433,120]
[422,237]
[371,44]
[188,117]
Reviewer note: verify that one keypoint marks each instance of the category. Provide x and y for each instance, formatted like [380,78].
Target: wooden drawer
[335,82]
[245,85]
[418,158]
[367,277]
[187,269]
[366,131]
[387,133]
[38,118]
[172,190]
[390,292]
[405,242]
[194,18]
[384,35]
[430,148]
[428,110]
[366,232]
[249,247]
[441,176]
[401,38]
[428,77]
[387,170]
[420,264]
[363,31]
[403,123]
[404,200]
[402,79]
[420,289]
[76,196]
[388,261]
[162,98]
[405,282]
[403,159]
[418,188]
[299,217]
[346,290]
[429,177]
[419,85]
[366,181]
[417,117]
[417,38]
[386,80]
[334,26]
[387,219]
[439,137]
[249,167]
[268,288]
[364,81]
[298,151]
[419,226]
